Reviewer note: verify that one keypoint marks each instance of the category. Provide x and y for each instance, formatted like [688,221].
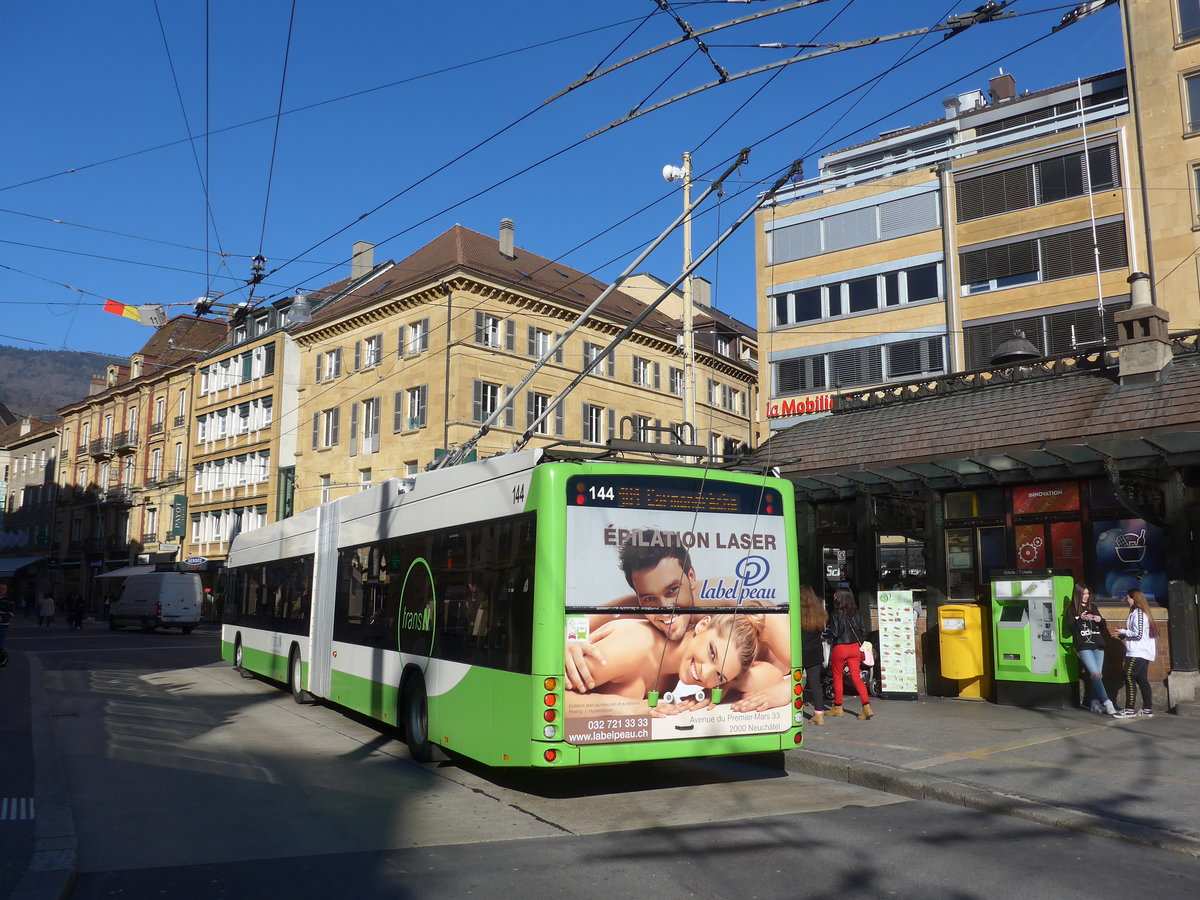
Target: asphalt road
[188,781]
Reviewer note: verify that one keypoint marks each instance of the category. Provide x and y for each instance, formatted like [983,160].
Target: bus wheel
[416,720]
[296,678]
[237,659]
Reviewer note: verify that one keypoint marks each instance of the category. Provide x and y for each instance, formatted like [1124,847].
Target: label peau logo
[750,572]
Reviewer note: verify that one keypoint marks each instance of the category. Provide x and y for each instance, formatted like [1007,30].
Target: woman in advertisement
[1089,629]
[1141,648]
[845,631]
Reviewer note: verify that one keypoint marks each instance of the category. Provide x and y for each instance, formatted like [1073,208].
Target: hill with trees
[39,382]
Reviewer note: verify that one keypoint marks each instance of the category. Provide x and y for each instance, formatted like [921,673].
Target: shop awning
[13,565]
[128,570]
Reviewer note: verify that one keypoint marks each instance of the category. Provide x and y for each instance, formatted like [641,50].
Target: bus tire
[416,720]
[238,665]
[296,678]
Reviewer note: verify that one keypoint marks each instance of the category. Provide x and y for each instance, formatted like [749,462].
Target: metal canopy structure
[1008,466]
[13,565]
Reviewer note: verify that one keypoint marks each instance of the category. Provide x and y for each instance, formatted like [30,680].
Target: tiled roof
[462,250]
[1064,409]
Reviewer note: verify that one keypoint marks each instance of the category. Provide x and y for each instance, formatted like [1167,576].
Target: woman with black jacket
[845,632]
[812,622]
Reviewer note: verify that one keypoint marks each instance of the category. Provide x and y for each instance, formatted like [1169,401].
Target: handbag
[826,648]
[868,653]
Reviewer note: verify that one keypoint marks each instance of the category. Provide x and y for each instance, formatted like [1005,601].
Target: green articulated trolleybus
[537,609]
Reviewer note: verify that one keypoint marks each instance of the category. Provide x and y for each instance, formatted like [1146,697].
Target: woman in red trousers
[845,632]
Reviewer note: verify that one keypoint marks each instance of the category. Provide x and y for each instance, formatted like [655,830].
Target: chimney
[362,259]
[701,291]
[1002,87]
[26,426]
[506,239]
[1142,341]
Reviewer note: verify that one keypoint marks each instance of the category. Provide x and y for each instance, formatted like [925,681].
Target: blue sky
[102,194]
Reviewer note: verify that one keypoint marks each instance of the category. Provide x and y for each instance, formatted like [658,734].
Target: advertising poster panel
[715,553]
[1130,553]
[898,644]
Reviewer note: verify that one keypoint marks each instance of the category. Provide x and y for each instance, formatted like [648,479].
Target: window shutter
[510,335]
[320,368]
[336,413]
[423,343]
[610,364]
[353,429]
[398,411]
[532,334]
[480,334]
[612,423]
[477,401]
[908,215]
[558,354]
[357,355]
[375,404]
[529,409]
[851,229]
[1113,250]
[508,409]
[337,363]
[657,377]
[423,401]
[558,420]
[400,341]
[796,241]
[316,430]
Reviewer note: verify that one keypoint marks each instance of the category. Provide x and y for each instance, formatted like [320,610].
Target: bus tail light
[549,731]
[550,715]
[550,755]
[798,737]
[550,684]
[799,703]
[797,675]
[798,690]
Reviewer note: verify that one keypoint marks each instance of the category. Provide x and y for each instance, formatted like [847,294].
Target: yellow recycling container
[960,638]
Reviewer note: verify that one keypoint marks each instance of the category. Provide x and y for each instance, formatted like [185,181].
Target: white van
[159,600]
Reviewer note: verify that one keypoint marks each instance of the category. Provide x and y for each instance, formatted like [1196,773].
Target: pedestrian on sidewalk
[1141,648]
[813,619]
[76,617]
[45,610]
[1090,631]
[845,632]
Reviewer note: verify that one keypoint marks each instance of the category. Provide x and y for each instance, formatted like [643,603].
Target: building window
[364,479]
[799,375]
[855,228]
[156,461]
[1191,84]
[675,380]
[858,295]
[329,365]
[540,342]
[325,428]
[368,353]
[492,331]
[641,428]
[1062,255]
[370,425]
[725,345]
[486,398]
[416,401]
[417,340]
[1054,333]
[160,410]
[1189,20]
[646,373]
[325,492]
[591,352]
[923,356]
[1034,184]
[537,406]
[598,423]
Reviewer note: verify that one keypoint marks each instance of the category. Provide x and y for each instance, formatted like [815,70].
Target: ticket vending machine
[1034,653]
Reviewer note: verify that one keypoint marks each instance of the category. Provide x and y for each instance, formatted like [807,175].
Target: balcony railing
[101,447]
[117,494]
[173,477]
[178,421]
[126,441]
[156,427]
[150,538]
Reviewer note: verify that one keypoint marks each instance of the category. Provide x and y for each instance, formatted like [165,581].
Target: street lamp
[684,174]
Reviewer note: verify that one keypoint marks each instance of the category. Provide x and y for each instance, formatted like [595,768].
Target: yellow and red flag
[122,309]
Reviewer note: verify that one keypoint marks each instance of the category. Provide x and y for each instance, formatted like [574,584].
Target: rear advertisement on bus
[676,599]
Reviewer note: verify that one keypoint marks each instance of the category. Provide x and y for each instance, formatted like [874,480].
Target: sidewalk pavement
[1135,780]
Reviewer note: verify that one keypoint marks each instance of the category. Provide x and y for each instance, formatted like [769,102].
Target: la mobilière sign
[799,406]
